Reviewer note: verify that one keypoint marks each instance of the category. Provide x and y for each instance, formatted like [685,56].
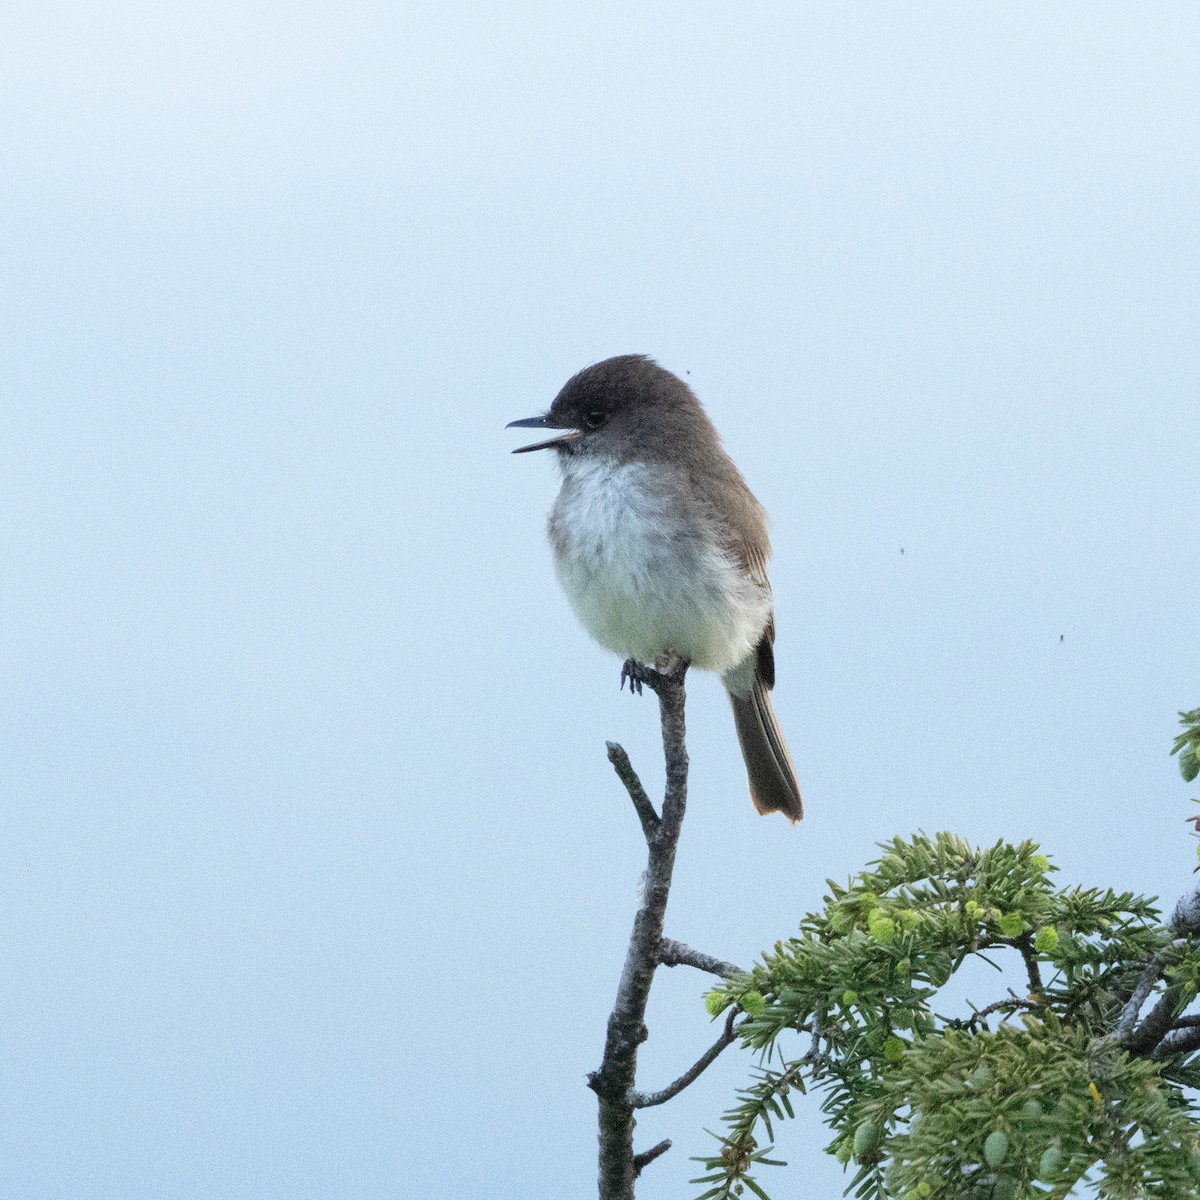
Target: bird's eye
[594,419]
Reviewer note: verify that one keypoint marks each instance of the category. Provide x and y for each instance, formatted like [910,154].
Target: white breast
[641,580]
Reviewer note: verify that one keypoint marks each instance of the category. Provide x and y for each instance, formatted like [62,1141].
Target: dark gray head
[625,407]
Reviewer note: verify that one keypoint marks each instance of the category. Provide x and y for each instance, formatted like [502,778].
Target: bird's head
[617,407]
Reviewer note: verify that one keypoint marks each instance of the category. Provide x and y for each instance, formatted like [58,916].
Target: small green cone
[1049,1164]
[753,1003]
[866,1138]
[995,1148]
[1045,941]
[1011,924]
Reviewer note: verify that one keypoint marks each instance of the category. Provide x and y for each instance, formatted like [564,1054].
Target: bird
[661,548]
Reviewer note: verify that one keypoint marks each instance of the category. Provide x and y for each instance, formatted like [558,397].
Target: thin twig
[1024,944]
[706,1060]
[648,1156]
[633,785]
[1012,1004]
[816,1058]
[818,1032]
[675,954]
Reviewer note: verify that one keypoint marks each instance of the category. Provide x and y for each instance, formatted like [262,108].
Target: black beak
[541,423]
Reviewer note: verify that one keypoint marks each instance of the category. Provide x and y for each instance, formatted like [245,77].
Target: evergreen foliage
[1062,1084]
[1187,745]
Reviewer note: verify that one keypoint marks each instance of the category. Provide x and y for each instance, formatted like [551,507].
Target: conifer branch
[1103,1060]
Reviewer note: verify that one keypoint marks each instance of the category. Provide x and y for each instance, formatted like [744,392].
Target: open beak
[541,423]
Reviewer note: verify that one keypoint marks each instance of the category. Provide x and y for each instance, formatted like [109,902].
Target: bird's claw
[636,673]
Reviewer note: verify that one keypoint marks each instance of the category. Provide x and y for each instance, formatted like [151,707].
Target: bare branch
[614,1082]
[670,702]
[706,1060]
[1152,1029]
[675,954]
[633,785]
[1183,1037]
[1186,917]
[648,1156]
[1179,1041]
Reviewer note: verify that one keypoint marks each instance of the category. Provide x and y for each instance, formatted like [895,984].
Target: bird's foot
[668,668]
[638,674]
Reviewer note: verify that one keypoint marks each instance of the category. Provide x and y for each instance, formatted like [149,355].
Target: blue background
[314,881]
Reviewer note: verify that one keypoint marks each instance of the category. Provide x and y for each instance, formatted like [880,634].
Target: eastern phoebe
[661,547]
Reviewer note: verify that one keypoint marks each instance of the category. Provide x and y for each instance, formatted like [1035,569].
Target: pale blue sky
[314,881]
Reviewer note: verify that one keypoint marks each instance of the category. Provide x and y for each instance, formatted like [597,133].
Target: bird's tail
[773,786]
